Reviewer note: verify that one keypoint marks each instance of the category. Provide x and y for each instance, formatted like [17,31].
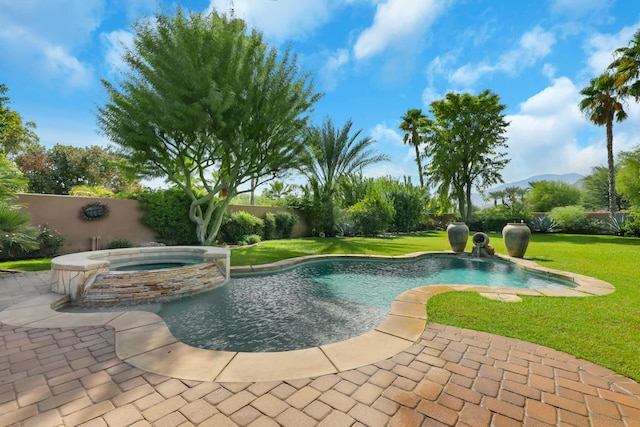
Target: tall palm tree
[626,67]
[331,154]
[602,103]
[410,125]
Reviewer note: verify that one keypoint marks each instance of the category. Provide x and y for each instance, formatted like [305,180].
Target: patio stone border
[143,340]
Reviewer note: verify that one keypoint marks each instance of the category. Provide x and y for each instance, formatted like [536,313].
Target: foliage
[11,180]
[546,195]
[411,123]
[278,190]
[346,226]
[616,223]
[210,106]
[268,225]
[167,213]
[239,225]
[49,241]
[543,224]
[15,136]
[595,189]
[285,221]
[119,243]
[86,191]
[496,217]
[251,239]
[16,235]
[628,179]
[574,219]
[59,169]
[632,226]
[372,215]
[332,154]
[353,188]
[462,144]
[602,105]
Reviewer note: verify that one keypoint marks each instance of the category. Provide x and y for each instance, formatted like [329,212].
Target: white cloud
[280,20]
[385,136]
[600,49]
[115,44]
[40,37]
[578,7]
[533,46]
[332,68]
[397,21]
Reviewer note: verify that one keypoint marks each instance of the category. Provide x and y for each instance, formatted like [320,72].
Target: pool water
[322,302]
[151,266]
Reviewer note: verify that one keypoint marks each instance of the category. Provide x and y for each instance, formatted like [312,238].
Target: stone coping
[143,340]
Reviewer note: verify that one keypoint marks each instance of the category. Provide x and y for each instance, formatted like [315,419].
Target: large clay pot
[516,238]
[458,233]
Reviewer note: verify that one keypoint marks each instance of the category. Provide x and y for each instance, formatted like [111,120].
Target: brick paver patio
[450,377]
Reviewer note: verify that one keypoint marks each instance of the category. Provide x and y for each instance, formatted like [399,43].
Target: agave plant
[615,223]
[544,224]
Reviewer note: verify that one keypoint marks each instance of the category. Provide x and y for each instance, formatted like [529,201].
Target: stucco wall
[62,213]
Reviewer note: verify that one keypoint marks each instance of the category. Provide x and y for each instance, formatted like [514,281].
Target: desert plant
[543,224]
[616,222]
[345,226]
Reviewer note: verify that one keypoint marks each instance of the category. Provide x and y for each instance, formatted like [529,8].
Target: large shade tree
[602,104]
[462,146]
[334,153]
[411,126]
[208,105]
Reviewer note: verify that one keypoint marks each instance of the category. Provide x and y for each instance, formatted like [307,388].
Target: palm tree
[332,154]
[410,125]
[602,104]
[626,67]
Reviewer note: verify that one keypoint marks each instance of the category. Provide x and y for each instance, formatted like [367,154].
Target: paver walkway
[451,376]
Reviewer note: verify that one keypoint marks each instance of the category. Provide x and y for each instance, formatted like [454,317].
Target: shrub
[50,241]
[616,222]
[238,225]
[495,218]
[543,224]
[408,203]
[345,226]
[632,226]
[571,219]
[167,213]
[285,221]
[119,243]
[372,215]
[269,226]
[251,239]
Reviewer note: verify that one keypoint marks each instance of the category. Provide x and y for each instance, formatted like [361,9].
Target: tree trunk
[419,166]
[613,196]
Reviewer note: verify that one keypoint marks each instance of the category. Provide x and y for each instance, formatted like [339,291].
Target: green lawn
[27,265]
[604,330]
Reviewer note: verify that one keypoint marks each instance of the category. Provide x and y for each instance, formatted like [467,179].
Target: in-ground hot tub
[87,278]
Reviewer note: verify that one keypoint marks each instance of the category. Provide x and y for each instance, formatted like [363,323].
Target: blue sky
[373,59]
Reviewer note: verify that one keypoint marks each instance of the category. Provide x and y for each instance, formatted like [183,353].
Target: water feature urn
[516,238]
[458,233]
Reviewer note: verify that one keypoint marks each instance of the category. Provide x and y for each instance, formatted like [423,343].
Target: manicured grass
[27,265]
[604,330]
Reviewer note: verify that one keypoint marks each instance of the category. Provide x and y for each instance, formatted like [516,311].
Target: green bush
[167,213]
[269,226]
[372,215]
[50,241]
[285,221]
[409,205]
[495,218]
[574,219]
[251,239]
[238,225]
[119,243]
[632,226]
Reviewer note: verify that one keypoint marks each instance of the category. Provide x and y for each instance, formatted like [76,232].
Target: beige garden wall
[62,213]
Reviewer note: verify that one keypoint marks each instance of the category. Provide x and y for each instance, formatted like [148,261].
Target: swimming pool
[322,302]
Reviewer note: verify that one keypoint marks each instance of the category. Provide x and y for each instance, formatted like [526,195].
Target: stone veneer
[85,276]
